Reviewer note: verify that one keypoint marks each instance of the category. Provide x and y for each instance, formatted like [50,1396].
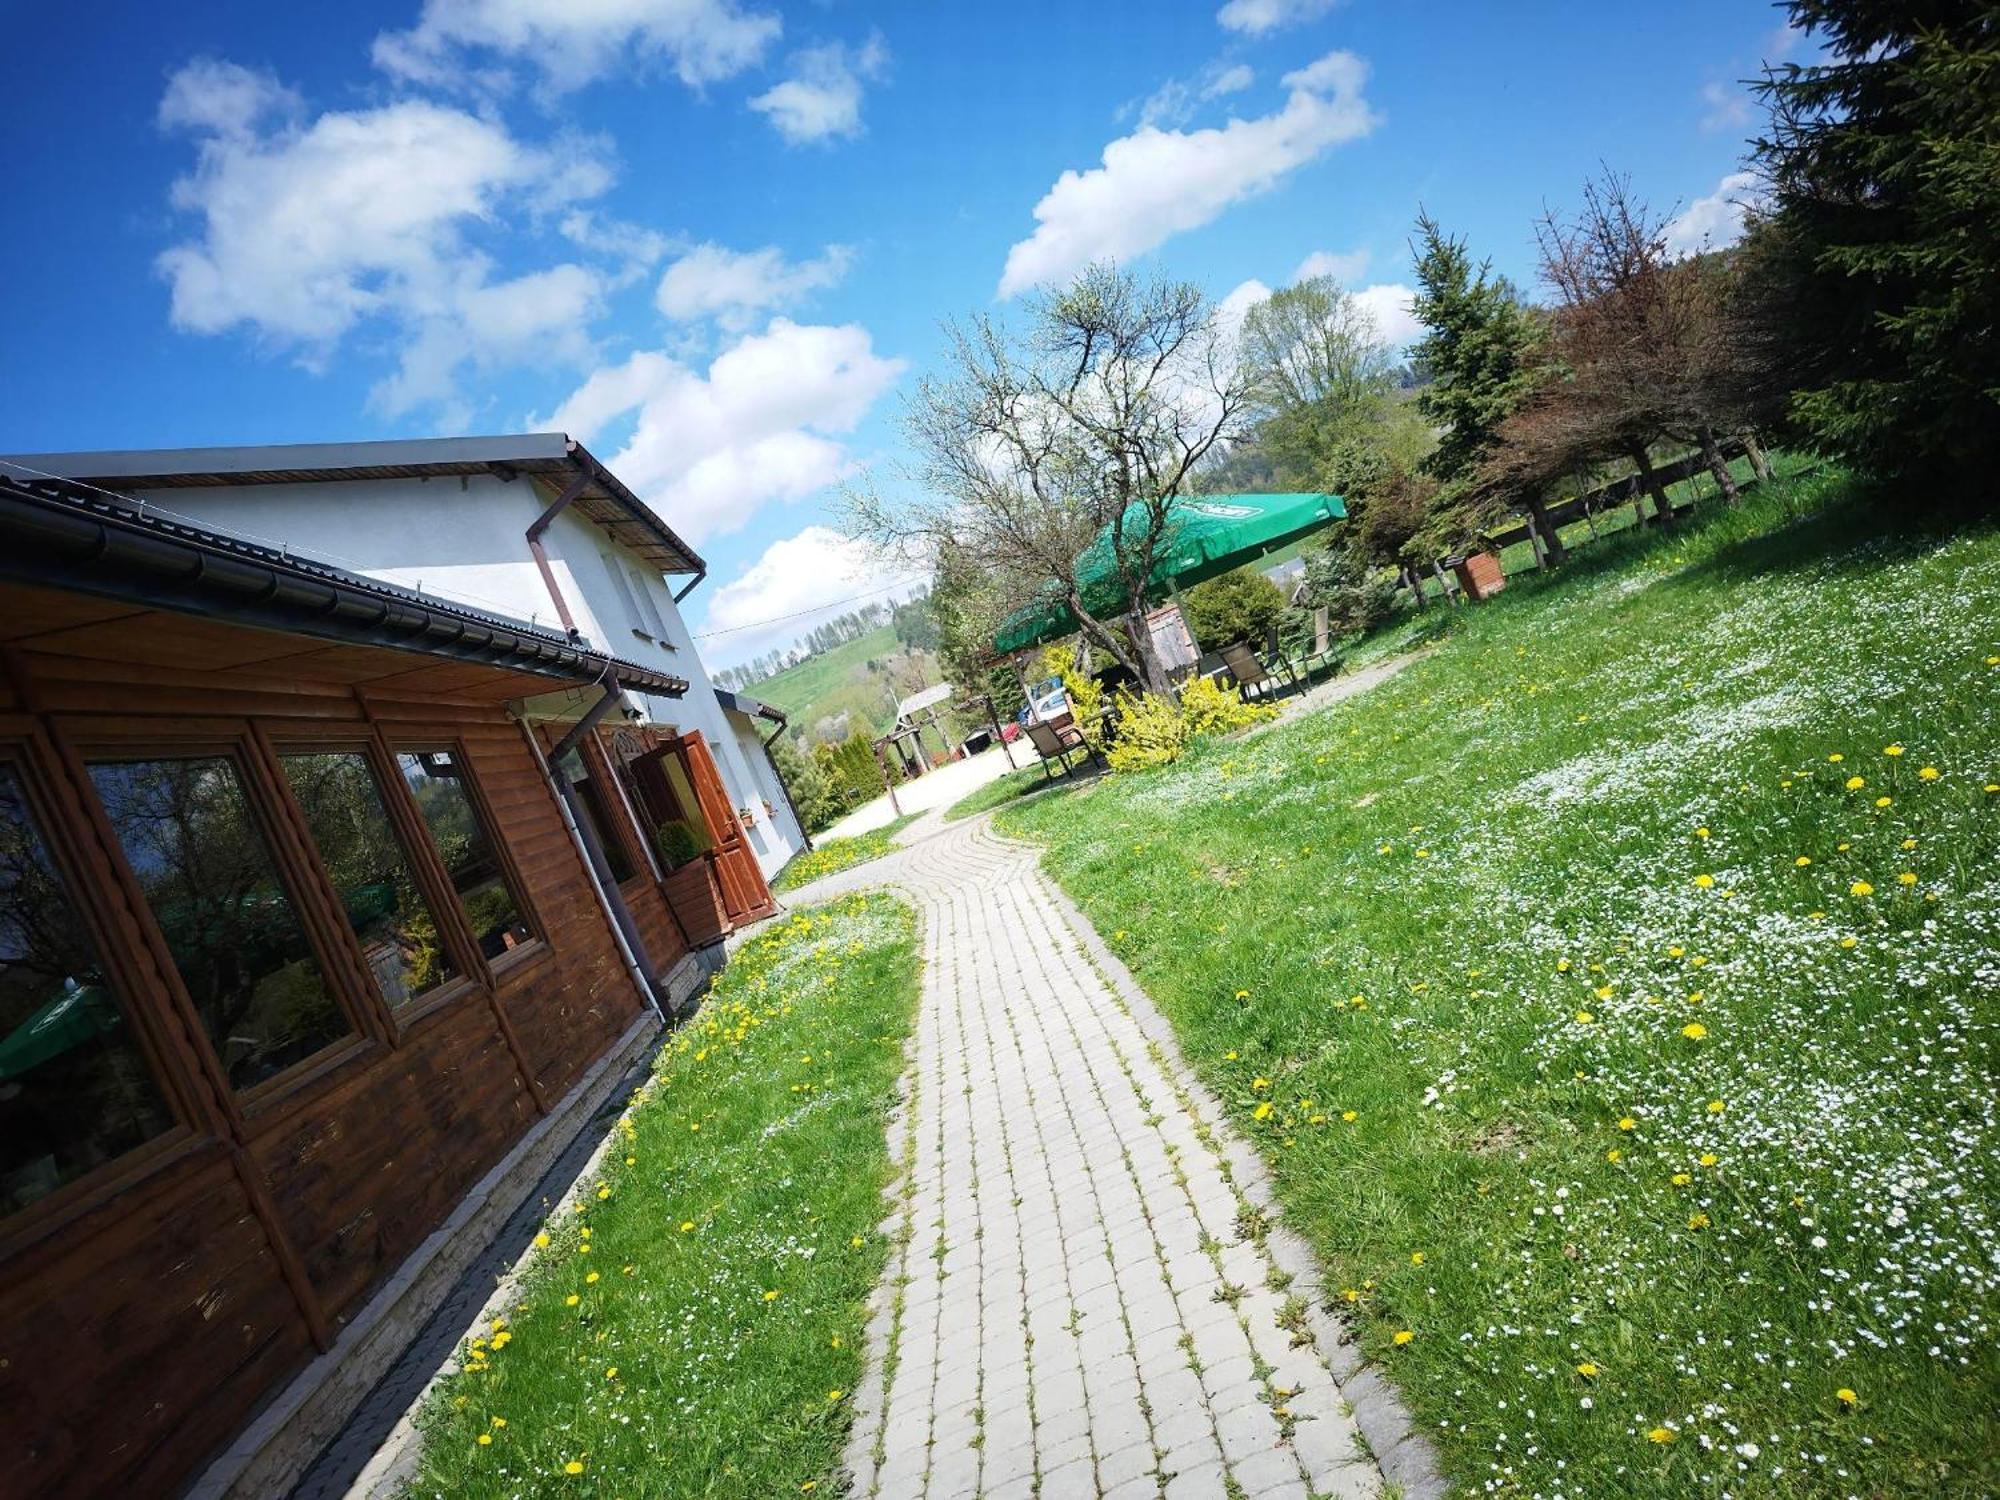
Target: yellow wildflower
[1694,1031]
[1403,1336]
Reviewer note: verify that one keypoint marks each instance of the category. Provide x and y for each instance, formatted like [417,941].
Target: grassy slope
[838,681]
[731,1246]
[1467,908]
[829,856]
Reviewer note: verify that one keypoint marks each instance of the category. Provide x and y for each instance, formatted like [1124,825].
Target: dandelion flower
[1416,1257]
[590,1278]
[1403,1336]
[611,1372]
[1802,861]
[486,1440]
[571,1300]
[1242,994]
[1584,1018]
[1704,881]
[1701,833]
[1263,1110]
[1928,773]
[1708,1158]
[1614,1155]
[1861,888]
[1660,1435]
[1260,1083]
[1694,1031]
[1892,750]
[1716,1106]
[1681,1179]
[687,1226]
[1845,1396]
[1603,992]
[1587,1370]
[835,1394]
[1836,757]
[574,1466]
[542,1240]
[1856,783]
[771,1296]
[1697,1221]
[1885,801]
[1349,1116]
[1908,877]
[1628,1123]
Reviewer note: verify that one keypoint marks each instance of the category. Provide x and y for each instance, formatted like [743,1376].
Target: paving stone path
[1090,1295]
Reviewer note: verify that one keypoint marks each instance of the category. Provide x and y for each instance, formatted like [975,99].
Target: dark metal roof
[743,703]
[552,457]
[54,534]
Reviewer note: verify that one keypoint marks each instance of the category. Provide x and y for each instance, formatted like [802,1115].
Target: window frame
[538,946]
[65,828]
[406,822]
[302,879]
[621,584]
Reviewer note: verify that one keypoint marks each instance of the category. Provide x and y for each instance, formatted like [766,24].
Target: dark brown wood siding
[154,1304]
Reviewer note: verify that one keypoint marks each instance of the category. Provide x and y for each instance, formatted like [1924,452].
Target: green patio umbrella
[1208,535]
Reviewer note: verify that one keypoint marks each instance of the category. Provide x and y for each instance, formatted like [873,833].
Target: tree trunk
[1649,477]
[1760,462]
[1718,466]
[1152,671]
[1416,582]
[1554,554]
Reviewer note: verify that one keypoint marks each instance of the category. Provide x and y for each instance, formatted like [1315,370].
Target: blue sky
[715,238]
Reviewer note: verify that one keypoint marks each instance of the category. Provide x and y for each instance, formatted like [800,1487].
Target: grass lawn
[1000,792]
[695,1326]
[1614,995]
[839,681]
[830,855]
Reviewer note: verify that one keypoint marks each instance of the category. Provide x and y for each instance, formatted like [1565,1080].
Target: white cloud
[1344,266]
[224,98]
[1175,101]
[1724,106]
[734,286]
[1256,17]
[1390,305]
[1154,183]
[572,42]
[1715,221]
[821,100]
[1234,308]
[764,423]
[800,581]
[310,229]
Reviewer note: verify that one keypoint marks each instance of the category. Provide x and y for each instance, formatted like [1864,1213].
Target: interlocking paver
[1063,1220]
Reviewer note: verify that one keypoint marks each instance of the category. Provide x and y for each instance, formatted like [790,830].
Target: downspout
[692,584]
[541,524]
[779,777]
[631,947]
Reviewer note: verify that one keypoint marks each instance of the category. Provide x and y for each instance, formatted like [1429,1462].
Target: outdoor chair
[1251,675]
[1057,742]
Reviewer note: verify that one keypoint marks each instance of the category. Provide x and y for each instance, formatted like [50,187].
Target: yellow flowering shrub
[1212,709]
[1151,732]
[1086,693]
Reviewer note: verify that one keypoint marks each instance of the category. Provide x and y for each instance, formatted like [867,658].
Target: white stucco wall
[466,541]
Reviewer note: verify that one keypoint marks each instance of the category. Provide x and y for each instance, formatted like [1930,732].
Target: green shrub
[675,843]
[1237,607]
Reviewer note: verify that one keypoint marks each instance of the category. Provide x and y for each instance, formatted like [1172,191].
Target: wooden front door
[745,894]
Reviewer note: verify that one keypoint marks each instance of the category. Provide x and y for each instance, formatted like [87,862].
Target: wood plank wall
[152,1307]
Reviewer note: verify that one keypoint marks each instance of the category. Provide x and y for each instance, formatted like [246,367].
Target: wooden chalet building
[329,914]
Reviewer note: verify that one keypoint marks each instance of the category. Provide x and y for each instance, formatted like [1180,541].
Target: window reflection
[189,836]
[437,782]
[592,803]
[343,808]
[75,1091]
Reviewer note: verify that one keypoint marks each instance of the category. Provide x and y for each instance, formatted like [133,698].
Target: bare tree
[1085,424]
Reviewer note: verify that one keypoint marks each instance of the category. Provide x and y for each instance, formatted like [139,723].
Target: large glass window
[437,781]
[593,801]
[75,1091]
[192,842]
[344,810]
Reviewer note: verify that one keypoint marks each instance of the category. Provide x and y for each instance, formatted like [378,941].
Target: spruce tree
[1883,250]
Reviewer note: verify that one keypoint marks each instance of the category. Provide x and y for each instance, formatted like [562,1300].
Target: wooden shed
[326,921]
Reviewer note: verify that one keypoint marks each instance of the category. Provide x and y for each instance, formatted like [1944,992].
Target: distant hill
[839,681]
